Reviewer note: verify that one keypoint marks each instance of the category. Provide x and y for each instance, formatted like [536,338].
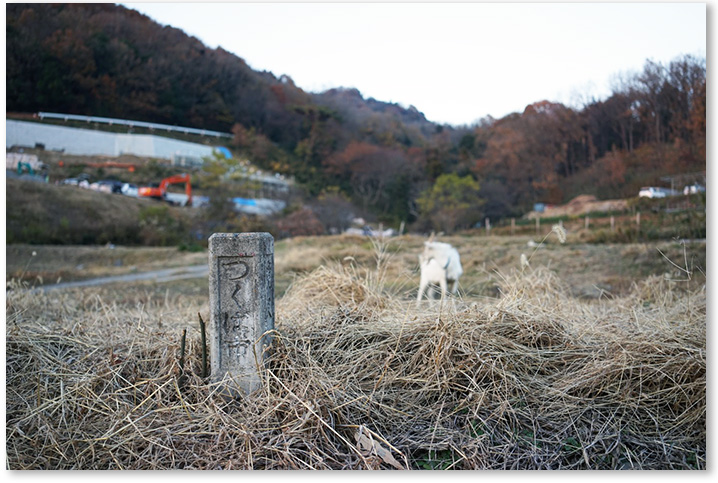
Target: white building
[87,142]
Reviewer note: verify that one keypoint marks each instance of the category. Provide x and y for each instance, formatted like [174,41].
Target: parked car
[652,192]
[79,181]
[71,181]
[693,189]
[107,186]
[129,189]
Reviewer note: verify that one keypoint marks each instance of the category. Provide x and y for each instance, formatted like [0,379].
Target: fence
[635,221]
[125,122]
[687,223]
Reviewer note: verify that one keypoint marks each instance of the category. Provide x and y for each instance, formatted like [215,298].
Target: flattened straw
[179,395]
[319,418]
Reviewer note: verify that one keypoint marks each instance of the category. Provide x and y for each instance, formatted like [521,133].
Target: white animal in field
[440,265]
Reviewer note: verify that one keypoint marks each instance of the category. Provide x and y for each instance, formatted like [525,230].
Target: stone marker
[241,298]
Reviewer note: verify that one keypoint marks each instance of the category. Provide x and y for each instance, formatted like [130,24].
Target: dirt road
[195,271]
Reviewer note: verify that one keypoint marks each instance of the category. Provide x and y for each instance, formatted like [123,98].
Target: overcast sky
[455,62]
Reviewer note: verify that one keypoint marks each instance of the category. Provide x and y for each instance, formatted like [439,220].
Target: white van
[652,192]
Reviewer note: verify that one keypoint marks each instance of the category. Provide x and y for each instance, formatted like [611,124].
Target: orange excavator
[160,192]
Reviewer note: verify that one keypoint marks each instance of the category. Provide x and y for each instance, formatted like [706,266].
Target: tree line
[386,160]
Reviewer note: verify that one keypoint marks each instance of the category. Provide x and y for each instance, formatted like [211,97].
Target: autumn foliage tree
[302,222]
[379,178]
[651,126]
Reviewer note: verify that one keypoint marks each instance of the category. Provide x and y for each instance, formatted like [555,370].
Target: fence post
[488,227]
[513,226]
[538,226]
[586,222]
[613,223]
[241,297]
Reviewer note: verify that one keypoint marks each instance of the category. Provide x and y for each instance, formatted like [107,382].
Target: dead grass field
[593,357]
[588,270]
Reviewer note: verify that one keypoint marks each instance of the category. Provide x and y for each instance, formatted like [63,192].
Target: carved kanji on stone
[242,307]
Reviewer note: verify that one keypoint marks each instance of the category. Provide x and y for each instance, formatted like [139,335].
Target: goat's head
[440,252]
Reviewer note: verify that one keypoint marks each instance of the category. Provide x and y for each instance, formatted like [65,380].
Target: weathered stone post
[241,297]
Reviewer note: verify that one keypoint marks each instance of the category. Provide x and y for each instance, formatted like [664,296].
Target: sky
[455,62]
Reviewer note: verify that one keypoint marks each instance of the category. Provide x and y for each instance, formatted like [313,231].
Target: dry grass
[359,379]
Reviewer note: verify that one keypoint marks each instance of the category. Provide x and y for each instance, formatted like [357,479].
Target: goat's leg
[442,283]
[455,286]
[422,287]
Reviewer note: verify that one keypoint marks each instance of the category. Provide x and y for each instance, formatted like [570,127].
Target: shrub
[159,227]
[302,222]
[452,202]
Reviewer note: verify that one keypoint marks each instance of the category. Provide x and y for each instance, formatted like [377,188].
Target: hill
[40,213]
[107,60]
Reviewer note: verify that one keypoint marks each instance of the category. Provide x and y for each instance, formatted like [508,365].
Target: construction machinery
[160,192]
[22,166]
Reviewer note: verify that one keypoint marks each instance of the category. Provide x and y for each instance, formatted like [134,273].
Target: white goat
[440,265]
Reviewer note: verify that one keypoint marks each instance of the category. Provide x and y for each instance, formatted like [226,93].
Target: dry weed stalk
[358,379]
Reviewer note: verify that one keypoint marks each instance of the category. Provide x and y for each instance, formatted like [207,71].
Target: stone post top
[227,244]
[242,236]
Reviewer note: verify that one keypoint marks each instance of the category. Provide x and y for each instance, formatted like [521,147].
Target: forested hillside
[388,160]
